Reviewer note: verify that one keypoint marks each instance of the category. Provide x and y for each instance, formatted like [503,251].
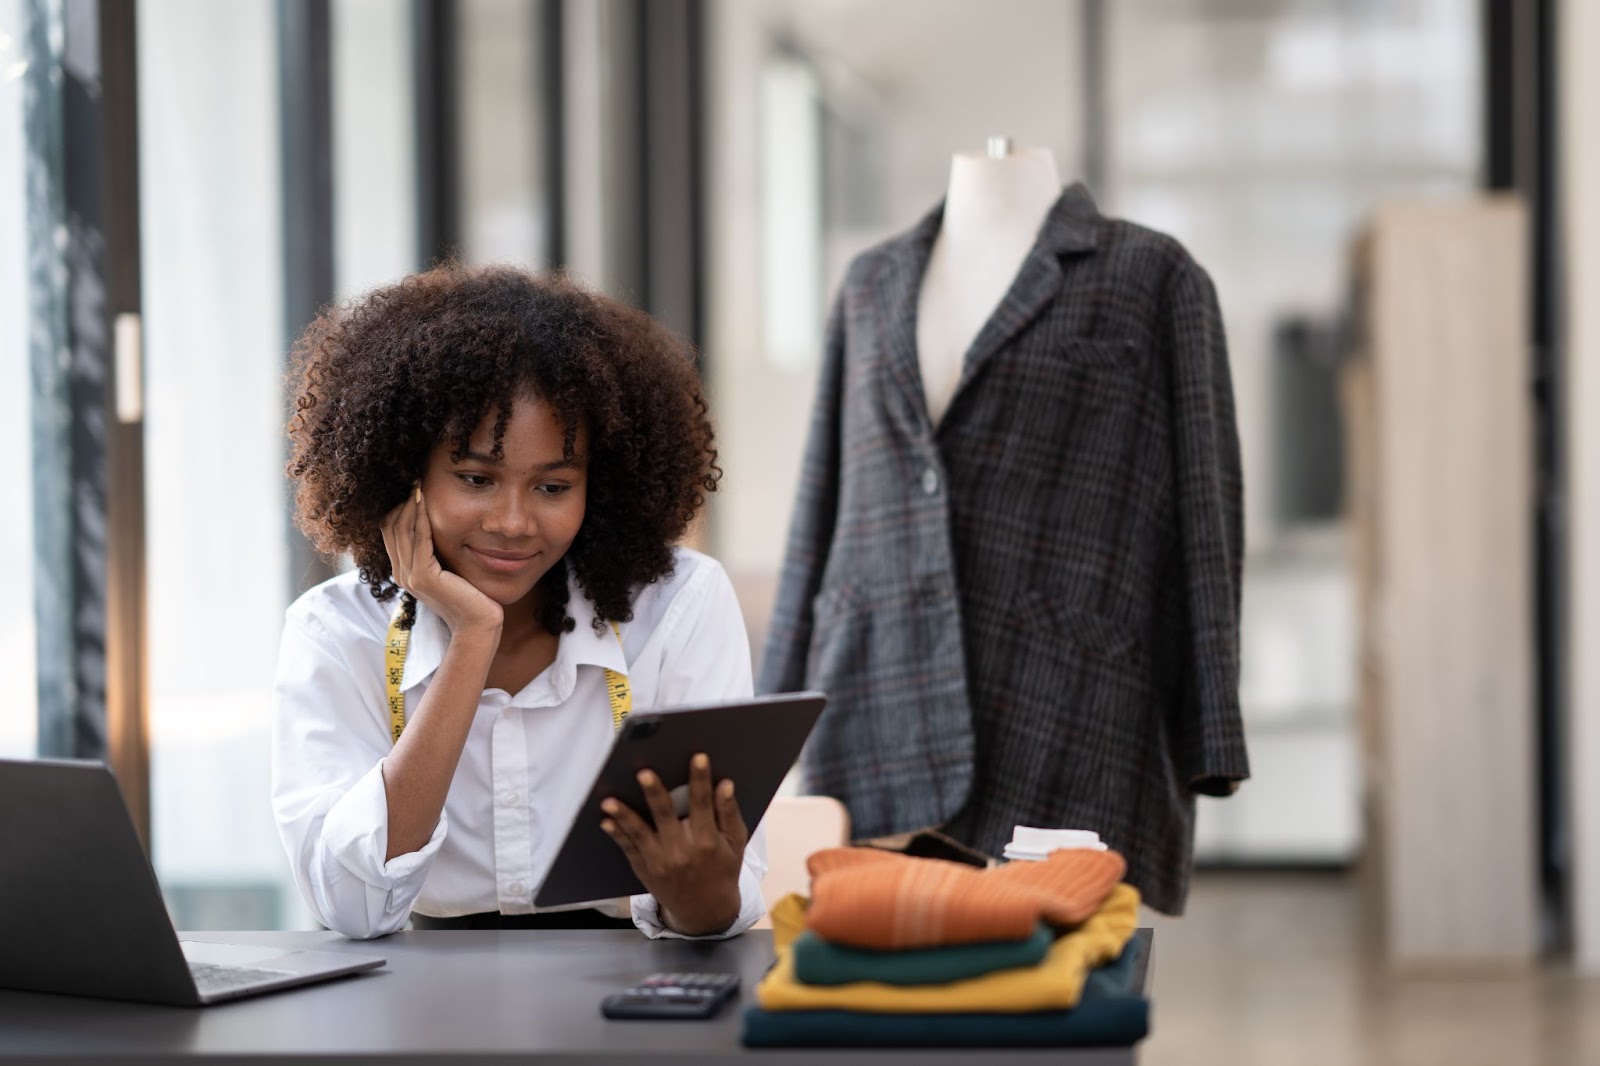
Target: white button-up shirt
[529,758]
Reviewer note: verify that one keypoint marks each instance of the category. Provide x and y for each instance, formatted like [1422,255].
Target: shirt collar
[583,646]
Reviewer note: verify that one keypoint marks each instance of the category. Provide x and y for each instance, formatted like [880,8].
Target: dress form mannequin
[992,213]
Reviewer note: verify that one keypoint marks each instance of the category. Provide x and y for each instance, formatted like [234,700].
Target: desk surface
[453,996]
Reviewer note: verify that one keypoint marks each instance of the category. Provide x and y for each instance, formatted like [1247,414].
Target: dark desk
[458,997]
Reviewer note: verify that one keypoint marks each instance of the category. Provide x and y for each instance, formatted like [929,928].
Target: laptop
[81,913]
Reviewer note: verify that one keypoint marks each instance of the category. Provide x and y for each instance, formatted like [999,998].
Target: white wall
[1579,151]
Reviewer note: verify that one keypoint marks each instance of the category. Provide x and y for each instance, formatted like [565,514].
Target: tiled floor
[1269,969]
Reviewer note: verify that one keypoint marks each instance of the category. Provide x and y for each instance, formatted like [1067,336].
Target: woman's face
[502,523]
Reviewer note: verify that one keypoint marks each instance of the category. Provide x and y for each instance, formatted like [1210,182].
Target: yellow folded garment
[1054,984]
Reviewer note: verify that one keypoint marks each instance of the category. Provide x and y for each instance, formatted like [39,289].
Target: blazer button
[930,481]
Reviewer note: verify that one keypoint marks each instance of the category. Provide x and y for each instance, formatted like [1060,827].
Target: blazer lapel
[1068,229]
[899,286]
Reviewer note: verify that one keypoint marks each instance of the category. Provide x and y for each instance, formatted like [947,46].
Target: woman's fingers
[424,542]
[625,841]
[629,830]
[729,820]
[702,808]
[387,529]
[406,540]
[659,801]
[630,820]
[397,541]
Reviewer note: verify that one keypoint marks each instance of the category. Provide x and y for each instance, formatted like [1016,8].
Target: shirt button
[930,481]
[511,799]
[515,888]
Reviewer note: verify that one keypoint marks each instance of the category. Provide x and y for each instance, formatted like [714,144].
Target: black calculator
[664,996]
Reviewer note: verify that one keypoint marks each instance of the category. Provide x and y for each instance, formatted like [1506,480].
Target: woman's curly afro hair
[382,380]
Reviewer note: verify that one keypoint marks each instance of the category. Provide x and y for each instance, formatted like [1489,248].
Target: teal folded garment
[817,962]
[1110,1014]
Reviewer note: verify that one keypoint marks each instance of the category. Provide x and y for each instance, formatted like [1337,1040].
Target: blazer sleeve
[1210,730]
[811,527]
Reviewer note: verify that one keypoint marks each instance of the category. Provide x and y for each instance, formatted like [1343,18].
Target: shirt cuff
[647,912]
[356,834]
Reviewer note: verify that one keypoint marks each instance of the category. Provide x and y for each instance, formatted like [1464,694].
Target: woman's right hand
[408,538]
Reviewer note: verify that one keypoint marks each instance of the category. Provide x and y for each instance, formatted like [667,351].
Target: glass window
[503,212]
[19,722]
[374,144]
[792,304]
[218,586]
[879,96]
[1262,140]
[1258,134]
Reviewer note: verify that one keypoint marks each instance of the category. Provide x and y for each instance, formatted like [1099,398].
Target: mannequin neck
[992,216]
[1014,191]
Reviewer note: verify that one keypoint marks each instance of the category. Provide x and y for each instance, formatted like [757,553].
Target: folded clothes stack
[895,951]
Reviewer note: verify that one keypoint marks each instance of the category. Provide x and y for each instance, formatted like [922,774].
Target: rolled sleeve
[355,836]
[329,740]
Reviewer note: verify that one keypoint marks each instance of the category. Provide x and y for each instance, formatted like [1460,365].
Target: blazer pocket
[1068,394]
[1103,354]
[1093,633]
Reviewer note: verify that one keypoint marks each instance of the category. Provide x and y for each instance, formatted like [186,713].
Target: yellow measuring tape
[394,662]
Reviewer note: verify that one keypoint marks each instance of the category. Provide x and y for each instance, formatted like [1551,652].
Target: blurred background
[1389,195]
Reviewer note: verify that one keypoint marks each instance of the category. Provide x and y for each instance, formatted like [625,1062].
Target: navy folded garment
[1110,1014]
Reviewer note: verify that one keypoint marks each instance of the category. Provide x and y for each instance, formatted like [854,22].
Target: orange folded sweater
[867,898]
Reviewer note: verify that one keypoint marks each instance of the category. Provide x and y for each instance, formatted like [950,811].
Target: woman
[510,462]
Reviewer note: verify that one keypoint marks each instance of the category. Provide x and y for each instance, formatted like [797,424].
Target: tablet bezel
[754,741]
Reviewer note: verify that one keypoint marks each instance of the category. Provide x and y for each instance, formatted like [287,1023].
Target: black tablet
[754,742]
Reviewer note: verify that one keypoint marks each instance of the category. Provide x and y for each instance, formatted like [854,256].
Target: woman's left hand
[691,865]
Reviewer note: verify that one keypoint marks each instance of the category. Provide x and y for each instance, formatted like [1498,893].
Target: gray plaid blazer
[1029,615]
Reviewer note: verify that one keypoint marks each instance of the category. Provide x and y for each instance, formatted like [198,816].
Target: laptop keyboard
[209,978]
